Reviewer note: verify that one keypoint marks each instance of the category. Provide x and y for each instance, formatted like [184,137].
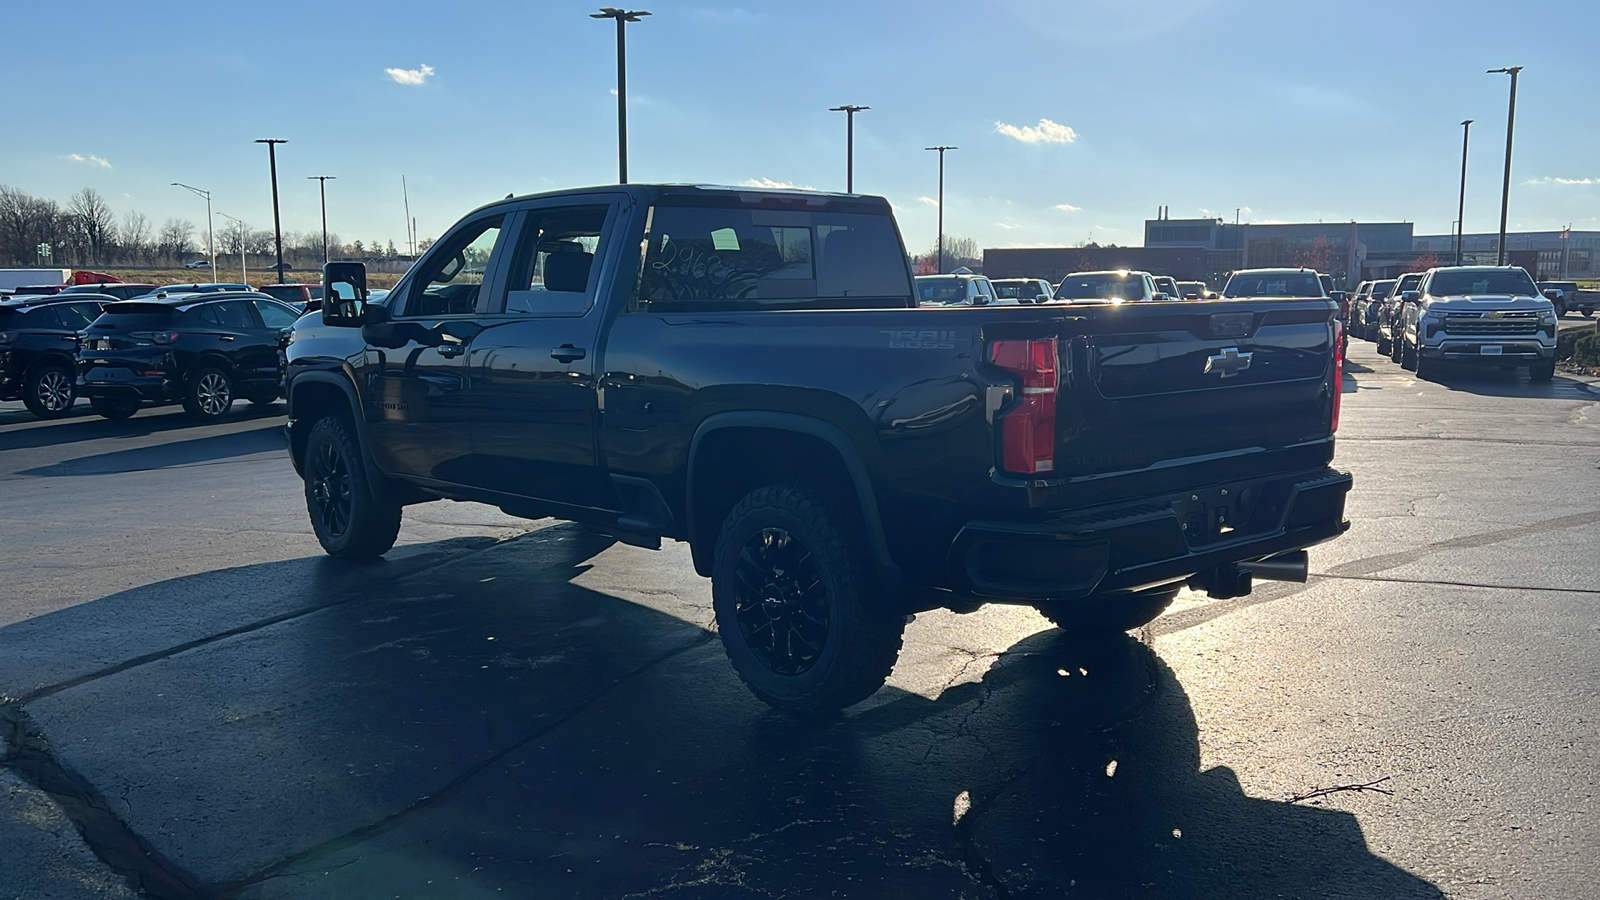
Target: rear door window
[724,258]
[275,315]
[553,271]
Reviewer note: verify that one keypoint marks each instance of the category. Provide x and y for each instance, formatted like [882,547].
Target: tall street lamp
[322,183]
[277,227]
[238,229]
[623,17]
[211,247]
[941,150]
[1505,189]
[1461,210]
[849,144]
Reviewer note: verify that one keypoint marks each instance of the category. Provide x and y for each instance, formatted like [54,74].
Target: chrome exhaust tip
[1294,567]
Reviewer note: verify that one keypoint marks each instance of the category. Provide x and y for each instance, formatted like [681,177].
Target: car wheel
[1586,313]
[1102,616]
[1381,338]
[1561,308]
[796,608]
[262,398]
[1424,369]
[352,518]
[48,391]
[1395,347]
[112,408]
[210,394]
[1408,356]
[1542,371]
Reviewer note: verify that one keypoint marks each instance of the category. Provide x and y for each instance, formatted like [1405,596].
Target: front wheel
[1102,616]
[210,394]
[263,398]
[353,519]
[112,408]
[1561,309]
[1542,371]
[48,392]
[1381,338]
[1408,356]
[1586,313]
[796,607]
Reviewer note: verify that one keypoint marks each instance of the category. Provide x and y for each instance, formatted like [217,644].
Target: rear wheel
[1381,337]
[210,394]
[262,398]
[48,391]
[1395,347]
[799,614]
[1101,616]
[353,518]
[112,408]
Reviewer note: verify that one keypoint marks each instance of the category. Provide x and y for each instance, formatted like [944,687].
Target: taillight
[1028,429]
[155,337]
[1338,372]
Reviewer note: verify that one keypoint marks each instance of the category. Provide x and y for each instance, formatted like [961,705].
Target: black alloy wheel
[112,408]
[210,394]
[799,614]
[352,520]
[49,391]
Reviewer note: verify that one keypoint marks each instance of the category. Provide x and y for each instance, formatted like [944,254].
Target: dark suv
[201,350]
[114,290]
[38,347]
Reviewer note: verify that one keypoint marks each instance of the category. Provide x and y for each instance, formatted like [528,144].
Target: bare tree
[176,239]
[26,222]
[135,236]
[94,222]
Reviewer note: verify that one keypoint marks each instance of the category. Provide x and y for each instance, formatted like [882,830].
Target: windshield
[1406,283]
[1017,290]
[1101,286]
[1481,281]
[1273,284]
[1382,289]
[941,291]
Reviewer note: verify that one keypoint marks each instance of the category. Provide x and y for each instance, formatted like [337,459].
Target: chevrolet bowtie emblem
[1228,361]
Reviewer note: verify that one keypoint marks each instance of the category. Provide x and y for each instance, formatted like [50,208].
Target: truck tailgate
[1150,385]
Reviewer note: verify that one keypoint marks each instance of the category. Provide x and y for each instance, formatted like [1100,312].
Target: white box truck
[11,279]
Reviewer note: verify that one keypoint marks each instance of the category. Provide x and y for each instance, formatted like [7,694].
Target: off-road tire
[112,408]
[209,395]
[48,391]
[1542,371]
[1103,616]
[353,519]
[815,587]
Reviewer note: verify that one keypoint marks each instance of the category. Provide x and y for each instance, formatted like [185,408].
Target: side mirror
[1041,298]
[344,292]
[1339,297]
[1160,295]
[1410,296]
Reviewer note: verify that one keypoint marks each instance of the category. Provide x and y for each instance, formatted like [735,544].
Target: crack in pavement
[1465,584]
[1374,564]
[457,784]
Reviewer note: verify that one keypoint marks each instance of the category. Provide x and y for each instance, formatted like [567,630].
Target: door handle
[224,337]
[567,353]
[451,351]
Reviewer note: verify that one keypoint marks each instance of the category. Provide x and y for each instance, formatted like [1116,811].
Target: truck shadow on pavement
[1508,383]
[88,427]
[490,723]
[266,438]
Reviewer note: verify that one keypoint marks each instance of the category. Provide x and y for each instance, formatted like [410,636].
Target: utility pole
[1505,189]
[1461,210]
[277,226]
[941,150]
[623,17]
[849,144]
[322,183]
[211,246]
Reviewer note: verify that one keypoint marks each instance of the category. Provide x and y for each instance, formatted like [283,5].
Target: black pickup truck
[748,371]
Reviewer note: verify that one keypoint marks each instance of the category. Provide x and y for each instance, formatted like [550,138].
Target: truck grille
[1510,323]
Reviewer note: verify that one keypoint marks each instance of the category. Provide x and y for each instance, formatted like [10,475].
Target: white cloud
[90,160]
[772,185]
[1046,132]
[929,200]
[1008,226]
[1067,207]
[1563,181]
[418,75]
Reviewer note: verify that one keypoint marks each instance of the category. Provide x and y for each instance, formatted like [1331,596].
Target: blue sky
[1074,119]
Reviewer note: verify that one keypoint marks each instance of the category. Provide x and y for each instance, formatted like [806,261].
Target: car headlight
[1547,317]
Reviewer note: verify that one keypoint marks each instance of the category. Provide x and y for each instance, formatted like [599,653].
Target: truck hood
[1485,303]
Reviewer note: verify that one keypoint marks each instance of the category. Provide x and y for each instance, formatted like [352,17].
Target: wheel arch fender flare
[298,429]
[860,481]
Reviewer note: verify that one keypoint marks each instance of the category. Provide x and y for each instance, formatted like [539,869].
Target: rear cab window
[703,257]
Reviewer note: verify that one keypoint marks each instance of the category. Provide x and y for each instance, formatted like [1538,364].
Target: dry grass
[225,273]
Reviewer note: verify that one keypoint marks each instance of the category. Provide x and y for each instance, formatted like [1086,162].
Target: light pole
[238,229]
[1461,210]
[941,150]
[277,227]
[1505,189]
[623,17]
[211,247]
[849,144]
[322,183]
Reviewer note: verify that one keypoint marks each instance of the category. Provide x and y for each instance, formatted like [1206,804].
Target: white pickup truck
[1488,315]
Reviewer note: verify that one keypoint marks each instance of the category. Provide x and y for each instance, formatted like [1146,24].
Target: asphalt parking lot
[195,702]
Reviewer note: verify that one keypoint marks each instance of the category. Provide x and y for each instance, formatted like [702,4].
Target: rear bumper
[123,384]
[1152,542]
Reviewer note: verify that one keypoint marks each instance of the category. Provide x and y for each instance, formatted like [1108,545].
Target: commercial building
[1556,255]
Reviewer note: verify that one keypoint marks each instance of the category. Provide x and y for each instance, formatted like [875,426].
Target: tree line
[87,233]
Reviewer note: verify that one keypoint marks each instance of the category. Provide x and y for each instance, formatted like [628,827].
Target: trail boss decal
[921,340]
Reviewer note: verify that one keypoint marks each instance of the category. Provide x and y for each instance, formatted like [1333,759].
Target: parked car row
[965,288]
[1485,315]
[202,349]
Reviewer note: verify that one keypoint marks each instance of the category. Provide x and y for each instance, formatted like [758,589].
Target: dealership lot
[503,705]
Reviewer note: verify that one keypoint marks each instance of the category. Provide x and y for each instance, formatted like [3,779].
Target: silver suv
[1489,315]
